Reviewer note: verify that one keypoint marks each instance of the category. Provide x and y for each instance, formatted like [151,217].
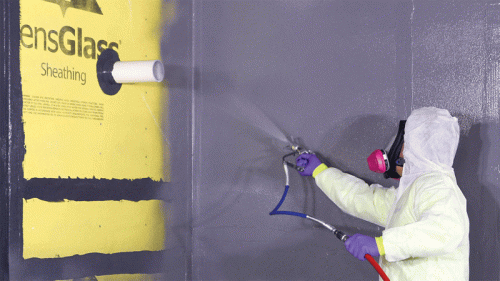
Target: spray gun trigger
[298,168]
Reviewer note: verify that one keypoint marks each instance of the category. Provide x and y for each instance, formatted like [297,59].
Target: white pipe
[138,71]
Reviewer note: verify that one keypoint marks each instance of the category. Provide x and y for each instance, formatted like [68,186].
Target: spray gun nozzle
[294,148]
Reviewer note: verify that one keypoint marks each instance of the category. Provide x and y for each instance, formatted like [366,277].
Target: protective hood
[430,143]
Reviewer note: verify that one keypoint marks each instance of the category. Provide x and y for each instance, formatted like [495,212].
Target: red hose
[377,267]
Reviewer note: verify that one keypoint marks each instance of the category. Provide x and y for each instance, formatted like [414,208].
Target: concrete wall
[337,74]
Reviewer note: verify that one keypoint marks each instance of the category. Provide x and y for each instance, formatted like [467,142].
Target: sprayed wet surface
[338,75]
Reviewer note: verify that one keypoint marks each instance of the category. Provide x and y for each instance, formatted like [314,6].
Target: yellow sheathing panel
[72,128]
[63,229]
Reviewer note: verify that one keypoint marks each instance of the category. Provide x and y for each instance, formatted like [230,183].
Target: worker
[426,235]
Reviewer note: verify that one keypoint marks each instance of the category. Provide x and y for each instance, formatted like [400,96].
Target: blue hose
[276,212]
[340,235]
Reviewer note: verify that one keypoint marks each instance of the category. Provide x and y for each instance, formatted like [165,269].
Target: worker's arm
[354,196]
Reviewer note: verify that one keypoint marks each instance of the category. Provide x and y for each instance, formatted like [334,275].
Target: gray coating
[325,71]
[177,56]
[456,50]
[338,75]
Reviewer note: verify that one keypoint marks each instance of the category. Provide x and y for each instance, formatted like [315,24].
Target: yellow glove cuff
[380,245]
[319,169]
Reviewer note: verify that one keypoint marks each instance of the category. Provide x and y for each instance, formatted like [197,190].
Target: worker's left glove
[359,245]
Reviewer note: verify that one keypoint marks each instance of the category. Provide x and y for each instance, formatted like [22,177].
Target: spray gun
[296,150]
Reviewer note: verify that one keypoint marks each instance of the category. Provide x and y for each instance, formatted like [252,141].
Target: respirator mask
[386,160]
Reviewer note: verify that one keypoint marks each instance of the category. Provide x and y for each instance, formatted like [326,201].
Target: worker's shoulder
[435,179]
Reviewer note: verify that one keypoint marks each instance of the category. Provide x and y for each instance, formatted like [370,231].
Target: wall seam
[189,273]
[412,90]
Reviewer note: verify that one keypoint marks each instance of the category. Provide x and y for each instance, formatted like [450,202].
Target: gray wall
[456,51]
[333,73]
[338,74]
[177,56]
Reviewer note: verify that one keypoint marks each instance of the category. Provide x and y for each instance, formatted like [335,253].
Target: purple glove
[359,245]
[309,162]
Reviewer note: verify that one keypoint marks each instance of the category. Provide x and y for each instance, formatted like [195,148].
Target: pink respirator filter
[378,162]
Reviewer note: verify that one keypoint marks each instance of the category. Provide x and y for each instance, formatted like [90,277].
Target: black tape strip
[91,265]
[56,190]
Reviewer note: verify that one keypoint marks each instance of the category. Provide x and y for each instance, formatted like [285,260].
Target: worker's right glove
[359,245]
[309,162]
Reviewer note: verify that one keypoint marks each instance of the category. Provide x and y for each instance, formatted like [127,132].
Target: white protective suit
[426,234]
